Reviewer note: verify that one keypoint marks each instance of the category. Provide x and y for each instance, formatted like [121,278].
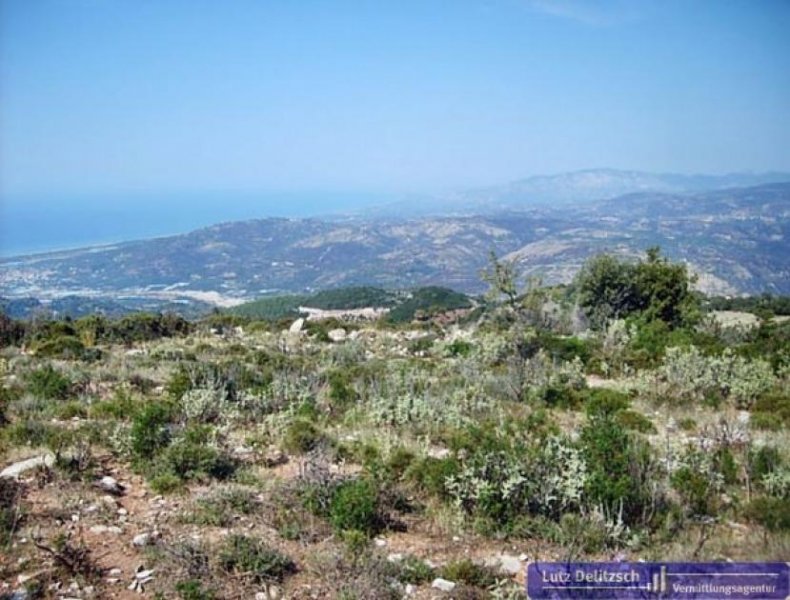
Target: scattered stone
[242,451]
[443,585]
[145,575]
[105,529]
[395,557]
[523,557]
[123,512]
[17,469]
[509,564]
[110,485]
[274,457]
[115,572]
[410,589]
[380,543]
[141,540]
[337,335]
[438,452]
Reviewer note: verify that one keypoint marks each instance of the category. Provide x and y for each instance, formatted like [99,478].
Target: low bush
[635,421]
[470,573]
[771,513]
[150,430]
[415,571]
[301,437]
[193,589]
[253,557]
[48,384]
[355,507]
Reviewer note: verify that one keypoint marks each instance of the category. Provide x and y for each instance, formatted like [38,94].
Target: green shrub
[301,436]
[63,346]
[32,433]
[341,390]
[253,557]
[165,483]
[618,466]
[687,424]
[459,348]
[430,475]
[188,459]
[193,589]
[635,421]
[220,508]
[121,406]
[415,571]
[355,506]
[470,573]
[771,412]
[48,384]
[697,491]
[605,403]
[763,461]
[771,513]
[150,430]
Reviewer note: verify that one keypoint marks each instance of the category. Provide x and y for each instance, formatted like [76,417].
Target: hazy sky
[128,96]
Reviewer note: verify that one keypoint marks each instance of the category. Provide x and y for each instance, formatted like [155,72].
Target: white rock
[443,585]
[395,557]
[15,470]
[141,539]
[510,564]
[337,335]
[115,572]
[410,589]
[437,452]
[380,542]
[105,529]
[110,485]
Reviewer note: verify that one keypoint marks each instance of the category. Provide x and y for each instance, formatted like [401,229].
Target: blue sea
[45,223]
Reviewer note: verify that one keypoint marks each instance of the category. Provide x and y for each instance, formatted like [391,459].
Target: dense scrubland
[621,417]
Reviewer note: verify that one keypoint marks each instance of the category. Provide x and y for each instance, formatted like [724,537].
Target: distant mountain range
[735,239]
[574,188]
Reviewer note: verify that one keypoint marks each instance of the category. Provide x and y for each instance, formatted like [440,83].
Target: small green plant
[771,513]
[193,589]
[150,431]
[635,421]
[415,571]
[301,436]
[253,557]
[470,573]
[221,507]
[48,384]
[355,506]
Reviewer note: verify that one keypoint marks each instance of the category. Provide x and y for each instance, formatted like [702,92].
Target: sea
[44,223]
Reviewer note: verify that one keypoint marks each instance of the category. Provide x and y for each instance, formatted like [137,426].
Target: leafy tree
[501,276]
[610,288]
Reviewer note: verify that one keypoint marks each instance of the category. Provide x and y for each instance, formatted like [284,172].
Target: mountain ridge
[735,239]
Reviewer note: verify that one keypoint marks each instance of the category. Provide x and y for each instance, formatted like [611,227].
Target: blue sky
[126,98]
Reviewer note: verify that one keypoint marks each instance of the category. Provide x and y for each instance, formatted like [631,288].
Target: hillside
[734,239]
